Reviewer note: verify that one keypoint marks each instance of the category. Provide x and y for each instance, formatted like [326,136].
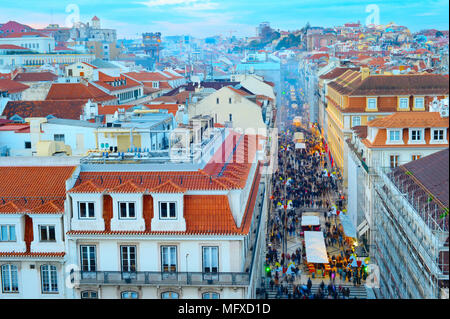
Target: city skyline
[203,18]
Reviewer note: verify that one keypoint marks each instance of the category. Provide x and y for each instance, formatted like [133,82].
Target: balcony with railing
[235,279]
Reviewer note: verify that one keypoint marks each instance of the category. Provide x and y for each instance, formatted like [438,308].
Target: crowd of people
[302,181]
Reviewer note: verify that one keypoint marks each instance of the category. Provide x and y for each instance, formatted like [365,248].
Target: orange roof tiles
[32,254]
[127,187]
[33,189]
[78,91]
[70,109]
[87,187]
[204,215]
[168,187]
[235,169]
[51,207]
[410,119]
[12,86]
[34,181]
[381,137]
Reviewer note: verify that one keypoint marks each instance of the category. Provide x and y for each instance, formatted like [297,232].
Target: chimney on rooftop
[365,73]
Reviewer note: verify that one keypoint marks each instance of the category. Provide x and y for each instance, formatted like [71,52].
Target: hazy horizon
[204,18]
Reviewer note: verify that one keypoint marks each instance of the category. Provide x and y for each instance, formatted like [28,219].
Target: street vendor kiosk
[316,251]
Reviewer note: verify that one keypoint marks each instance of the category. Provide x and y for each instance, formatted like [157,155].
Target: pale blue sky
[208,17]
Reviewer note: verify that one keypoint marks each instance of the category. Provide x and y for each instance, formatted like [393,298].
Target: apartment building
[169,231]
[32,247]
[411,233]
[356,98]
[136,229]
[387,142]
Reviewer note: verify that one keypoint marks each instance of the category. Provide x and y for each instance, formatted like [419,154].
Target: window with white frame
[86,210]
[419,102]
[129,295]
[89,294]
[415,135]
[438,135]
[128,257]
[155,85]
[167,210]
[403,102]
[372,103]
[127,210]
[49,279]
[395,135]
[210,259]
[356,121]
[10,282]
[7,233]
[169,258]
[47,233]
[88,258]
[210,295]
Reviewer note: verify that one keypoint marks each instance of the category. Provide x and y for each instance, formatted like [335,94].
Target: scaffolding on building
[410,236]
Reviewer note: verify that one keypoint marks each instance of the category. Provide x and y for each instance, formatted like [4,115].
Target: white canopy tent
[316,252]
[310,220]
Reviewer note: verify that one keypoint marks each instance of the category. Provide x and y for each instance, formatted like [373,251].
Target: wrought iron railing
[160,278]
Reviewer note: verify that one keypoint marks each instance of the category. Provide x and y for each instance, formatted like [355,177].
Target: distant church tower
[95,22]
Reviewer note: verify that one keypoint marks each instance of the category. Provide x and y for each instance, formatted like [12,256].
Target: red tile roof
[168,187]
[78,91]
[25,34]
[145,76]
[33,254]
[127,187]
[336,72]
[12,86]
[234,163]
[240,92]
[12,47]
[204,215]
[410,119]
[71,109]
[34,181]
[17,128]
[35,77]
[111,109]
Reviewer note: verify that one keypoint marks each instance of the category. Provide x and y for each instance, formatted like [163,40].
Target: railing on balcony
[161,278]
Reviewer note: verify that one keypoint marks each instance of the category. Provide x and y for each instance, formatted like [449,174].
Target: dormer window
[419,103]
[127,210]
[86,210]
[372,103]
[403,103]
[416,136]
[438,135]
[167,210]
[394,136]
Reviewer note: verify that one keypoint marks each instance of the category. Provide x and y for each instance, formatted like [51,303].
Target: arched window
[129,295]
[89,294]
[169,295]
[10,282]
[49,279]
[210,295]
